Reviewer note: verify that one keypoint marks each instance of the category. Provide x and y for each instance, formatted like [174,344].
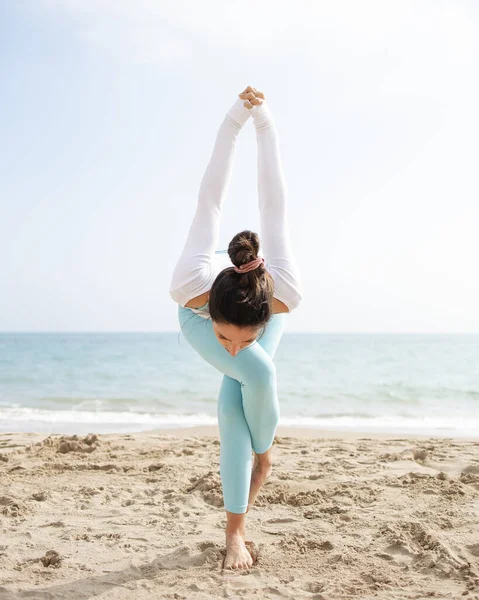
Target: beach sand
[141,516]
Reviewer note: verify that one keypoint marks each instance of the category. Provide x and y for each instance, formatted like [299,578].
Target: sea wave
[83,421]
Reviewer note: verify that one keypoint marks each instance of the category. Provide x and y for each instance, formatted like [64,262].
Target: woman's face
[235,338]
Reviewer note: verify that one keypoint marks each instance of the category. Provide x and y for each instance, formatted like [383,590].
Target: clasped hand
[252,97]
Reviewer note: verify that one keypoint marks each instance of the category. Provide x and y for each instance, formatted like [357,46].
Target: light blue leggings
[248,408]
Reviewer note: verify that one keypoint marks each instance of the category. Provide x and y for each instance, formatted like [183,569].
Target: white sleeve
[198,265]
[275,234]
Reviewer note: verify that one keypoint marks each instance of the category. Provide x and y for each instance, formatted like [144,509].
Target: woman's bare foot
[252,97]
[237,555]
[262,468]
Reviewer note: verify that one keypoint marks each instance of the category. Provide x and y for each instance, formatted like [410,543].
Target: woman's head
[241,304]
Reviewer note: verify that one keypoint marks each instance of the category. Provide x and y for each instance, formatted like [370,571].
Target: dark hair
[242,299]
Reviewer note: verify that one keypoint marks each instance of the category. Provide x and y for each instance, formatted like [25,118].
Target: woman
[234,316]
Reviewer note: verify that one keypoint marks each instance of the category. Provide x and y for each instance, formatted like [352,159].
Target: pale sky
[109,113]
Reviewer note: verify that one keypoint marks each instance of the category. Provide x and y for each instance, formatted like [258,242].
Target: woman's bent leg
[248,409]
[259,385]
[253,367]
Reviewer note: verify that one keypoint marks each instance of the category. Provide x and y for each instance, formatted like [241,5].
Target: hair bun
[244,247]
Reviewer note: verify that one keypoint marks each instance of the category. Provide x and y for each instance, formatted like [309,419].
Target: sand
[141,516]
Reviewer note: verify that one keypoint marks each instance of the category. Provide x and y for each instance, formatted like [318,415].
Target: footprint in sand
[184,558]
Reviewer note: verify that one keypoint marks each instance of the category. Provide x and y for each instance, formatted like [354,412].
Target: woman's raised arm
[272,195]
[193,274]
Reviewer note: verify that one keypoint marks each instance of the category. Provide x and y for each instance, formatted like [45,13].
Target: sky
[108,118]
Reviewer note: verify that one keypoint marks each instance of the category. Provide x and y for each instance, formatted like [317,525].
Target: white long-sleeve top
[200,262]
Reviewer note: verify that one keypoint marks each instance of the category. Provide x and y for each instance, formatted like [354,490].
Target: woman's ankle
[235,533]
[235,524]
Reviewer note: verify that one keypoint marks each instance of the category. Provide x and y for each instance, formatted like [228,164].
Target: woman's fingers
[252,97]
[247,103]
[250,92]
[251,103]
[247,95]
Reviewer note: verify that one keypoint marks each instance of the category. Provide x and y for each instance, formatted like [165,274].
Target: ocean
[125,382]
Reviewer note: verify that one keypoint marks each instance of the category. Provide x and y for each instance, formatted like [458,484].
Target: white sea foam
[83,421]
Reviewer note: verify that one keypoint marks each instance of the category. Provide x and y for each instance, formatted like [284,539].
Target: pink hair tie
[254,264]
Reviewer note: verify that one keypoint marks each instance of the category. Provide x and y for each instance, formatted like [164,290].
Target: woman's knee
[261,375]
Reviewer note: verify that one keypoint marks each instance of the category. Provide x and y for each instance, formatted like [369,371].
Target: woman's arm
[194,273]
[275,233]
